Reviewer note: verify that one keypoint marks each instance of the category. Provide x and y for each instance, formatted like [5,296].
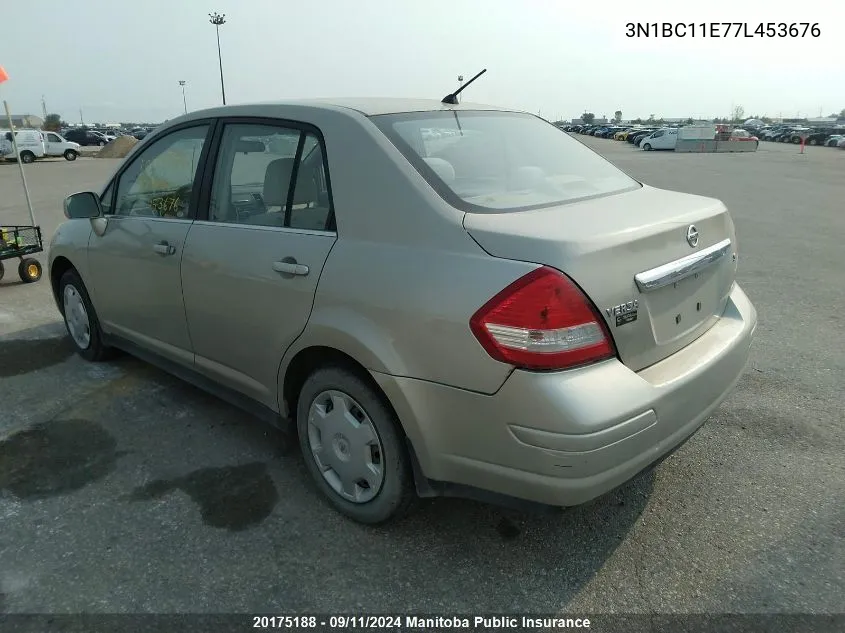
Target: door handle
[290,268]
[163,248]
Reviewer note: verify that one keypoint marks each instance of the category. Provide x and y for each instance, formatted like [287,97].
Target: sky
[117,60]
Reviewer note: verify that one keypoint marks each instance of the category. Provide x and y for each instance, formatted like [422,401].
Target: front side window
[53,138]
[500,161]
[269,175]
[159,181]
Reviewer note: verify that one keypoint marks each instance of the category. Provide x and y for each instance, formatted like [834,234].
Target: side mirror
[85,204]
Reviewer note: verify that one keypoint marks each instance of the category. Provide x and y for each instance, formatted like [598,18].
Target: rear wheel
[354,447]
[70,154]
[796,139]
[29,270]
[81,319]
[27,157]
[812,141]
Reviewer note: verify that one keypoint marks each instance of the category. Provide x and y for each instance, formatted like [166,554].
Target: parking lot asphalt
[125,490]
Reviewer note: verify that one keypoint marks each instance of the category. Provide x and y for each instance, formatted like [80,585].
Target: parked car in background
[841,143]
[665,138]
[85,137]
[496,314]
[56,145]
[30,145]
[817,137]
[622,135]
[139,133]
[637,136]
[739,134]
[796,134]
[108,138]
[833,140]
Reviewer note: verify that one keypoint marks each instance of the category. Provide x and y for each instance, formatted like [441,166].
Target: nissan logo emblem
[692,236]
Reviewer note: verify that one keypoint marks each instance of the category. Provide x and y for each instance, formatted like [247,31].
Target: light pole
[460,81]
[217,19]
[184,101]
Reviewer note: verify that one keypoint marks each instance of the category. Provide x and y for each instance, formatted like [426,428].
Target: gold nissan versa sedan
[442,299]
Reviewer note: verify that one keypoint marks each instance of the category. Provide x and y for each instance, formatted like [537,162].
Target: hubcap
[345,446]
[32,270]
[76,317]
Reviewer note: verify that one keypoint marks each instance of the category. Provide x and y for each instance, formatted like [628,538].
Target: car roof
[366,106]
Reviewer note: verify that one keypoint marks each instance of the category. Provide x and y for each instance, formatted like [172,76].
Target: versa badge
[624,312]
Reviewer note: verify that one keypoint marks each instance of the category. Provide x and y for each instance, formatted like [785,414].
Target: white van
[30,145]
[57,145]
[666,138]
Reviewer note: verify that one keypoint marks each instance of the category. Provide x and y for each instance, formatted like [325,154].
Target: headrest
[277,182]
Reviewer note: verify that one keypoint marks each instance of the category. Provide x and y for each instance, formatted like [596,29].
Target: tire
[647,147]
[384,441]
[101,143]
[93,350]
[812,141]
[71,154]
[29,270]
[2,271]
[796,140]
[27,157]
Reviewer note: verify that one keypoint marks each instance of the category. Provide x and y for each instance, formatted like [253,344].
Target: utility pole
[44,107]
[218,19]
[184,101]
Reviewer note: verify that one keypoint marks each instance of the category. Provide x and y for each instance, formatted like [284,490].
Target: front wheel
[354,447]
[647,147]
[101,143]
[29,270]
[27,157]
[71,154]
[81,319]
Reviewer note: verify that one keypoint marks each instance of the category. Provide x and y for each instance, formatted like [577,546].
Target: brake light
[542,321]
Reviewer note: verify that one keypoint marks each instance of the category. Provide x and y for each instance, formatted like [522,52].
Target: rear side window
[270,175]
[487,162]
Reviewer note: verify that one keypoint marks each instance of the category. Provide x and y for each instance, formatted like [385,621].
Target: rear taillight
[542,321]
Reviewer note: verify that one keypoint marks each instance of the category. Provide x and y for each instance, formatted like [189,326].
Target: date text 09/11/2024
[722,29]
[413,622]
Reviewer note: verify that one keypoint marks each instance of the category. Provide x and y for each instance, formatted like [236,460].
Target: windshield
[500,161]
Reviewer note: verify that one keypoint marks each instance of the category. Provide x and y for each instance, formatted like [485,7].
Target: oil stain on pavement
[55,458]
[233,497]
[23,356]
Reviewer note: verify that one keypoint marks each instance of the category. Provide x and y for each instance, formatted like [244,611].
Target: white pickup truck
[57,145]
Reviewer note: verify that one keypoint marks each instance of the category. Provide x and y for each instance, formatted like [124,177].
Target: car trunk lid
[656,289]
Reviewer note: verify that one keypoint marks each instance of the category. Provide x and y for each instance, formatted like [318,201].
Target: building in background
[27,120]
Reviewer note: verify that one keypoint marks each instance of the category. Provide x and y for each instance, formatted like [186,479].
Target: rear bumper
[564,438]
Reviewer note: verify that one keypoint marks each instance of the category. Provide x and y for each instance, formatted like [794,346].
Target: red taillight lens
[542,321]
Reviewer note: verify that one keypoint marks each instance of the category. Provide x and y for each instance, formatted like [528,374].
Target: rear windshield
[500,161]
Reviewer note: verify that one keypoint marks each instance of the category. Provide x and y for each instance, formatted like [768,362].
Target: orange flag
[3,75]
